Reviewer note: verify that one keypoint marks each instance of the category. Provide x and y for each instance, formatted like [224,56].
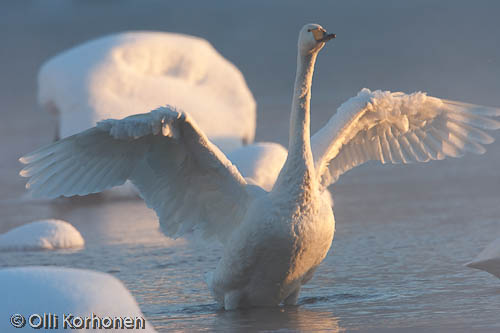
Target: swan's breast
[290,239]
[314,234]
[274,251]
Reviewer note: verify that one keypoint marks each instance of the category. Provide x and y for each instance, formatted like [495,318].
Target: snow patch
[260,163]
[135,72]
[42,235]
[60,291]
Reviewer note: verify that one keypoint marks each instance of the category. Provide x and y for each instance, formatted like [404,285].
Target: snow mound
[63,291]
[135,72]
[42,235]
[489,259]
[260,163]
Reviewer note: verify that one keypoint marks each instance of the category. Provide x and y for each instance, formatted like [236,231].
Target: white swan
[121,74]
[273,241]
[489,259]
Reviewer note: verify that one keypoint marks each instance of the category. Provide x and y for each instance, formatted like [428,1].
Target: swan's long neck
[299,166]
[299,144]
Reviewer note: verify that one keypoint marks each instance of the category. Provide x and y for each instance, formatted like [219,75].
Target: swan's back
[133,72]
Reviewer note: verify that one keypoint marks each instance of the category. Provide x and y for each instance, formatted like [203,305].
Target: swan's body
[121,74]
[489,259]
[280,242]
[273,240]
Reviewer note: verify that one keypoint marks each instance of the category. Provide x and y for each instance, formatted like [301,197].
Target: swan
[116,75]
[489,259]
[273,240]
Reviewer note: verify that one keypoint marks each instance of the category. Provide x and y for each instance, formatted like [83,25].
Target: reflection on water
[286,319]
[275,319]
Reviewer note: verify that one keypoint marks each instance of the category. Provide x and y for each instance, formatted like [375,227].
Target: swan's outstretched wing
[399,128]
[186,179]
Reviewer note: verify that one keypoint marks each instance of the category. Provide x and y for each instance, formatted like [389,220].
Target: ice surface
[63,291]
[42,235]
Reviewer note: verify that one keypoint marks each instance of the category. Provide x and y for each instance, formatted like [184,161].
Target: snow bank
[260,163]
[489,259]
[63,291]
[135,72]
[42,235]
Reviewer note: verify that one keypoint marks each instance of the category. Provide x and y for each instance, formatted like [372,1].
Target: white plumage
[125,73]
[399,128]
[275,240]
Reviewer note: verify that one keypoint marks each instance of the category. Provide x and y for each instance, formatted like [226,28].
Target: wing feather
[180,174]
[386,149]
[399,128]
[397,153]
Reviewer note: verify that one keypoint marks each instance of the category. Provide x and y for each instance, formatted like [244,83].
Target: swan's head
[312,38]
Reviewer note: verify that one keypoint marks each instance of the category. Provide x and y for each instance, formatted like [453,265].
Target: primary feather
[399,128]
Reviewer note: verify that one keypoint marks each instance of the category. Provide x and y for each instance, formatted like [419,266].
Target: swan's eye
[318,34]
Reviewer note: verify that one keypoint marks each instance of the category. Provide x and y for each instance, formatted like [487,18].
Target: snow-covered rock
[39,291]
[42,235]
[489,259]
[135,72]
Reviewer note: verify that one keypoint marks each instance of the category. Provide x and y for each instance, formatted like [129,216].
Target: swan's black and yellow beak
[327,37]
[321,36]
